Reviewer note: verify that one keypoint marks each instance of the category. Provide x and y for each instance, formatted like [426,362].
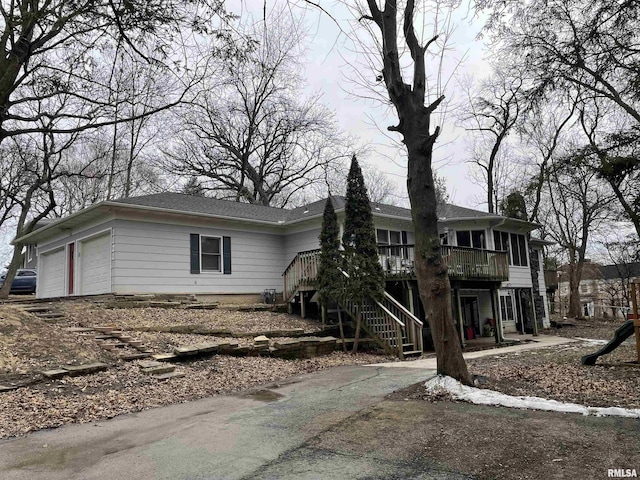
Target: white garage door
[51,274]
[94,260]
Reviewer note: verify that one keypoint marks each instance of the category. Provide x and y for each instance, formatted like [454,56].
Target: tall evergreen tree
[361,262]
[329,279]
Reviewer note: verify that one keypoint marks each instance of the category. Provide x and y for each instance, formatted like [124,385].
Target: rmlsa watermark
[622,473]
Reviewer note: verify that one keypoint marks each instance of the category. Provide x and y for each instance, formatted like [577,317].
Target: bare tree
[492,112]
[251,136]
[578,205]
[590,52]
[409,97]
[54,48]
[37,161]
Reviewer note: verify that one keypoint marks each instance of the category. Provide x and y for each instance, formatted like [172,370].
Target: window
[471,238]
[211,254]
[383,236]
[518,250]
[388,237]
[506,308]
[584,288]
[444,239]
[26,273]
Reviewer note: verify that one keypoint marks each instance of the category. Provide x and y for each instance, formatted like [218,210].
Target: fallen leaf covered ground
[29,345]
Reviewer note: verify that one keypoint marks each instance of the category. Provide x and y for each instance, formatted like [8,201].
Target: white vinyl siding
[300,242]
[94,265]
[155,258]
[51,268]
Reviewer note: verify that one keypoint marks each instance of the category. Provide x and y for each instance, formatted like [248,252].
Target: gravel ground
[29,345]
[243,322]
[125,389]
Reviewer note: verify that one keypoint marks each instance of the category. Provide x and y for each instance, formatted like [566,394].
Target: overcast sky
[329,63]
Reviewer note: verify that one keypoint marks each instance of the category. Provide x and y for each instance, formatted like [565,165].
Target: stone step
[85,369]
[150,363]
[55,373]
[37,309]
[104,329]
[412,353]
[127,357]
[159,370]
[50,315]
[202,306]
[167,376]
[8,388]
[164,357]
[79,329]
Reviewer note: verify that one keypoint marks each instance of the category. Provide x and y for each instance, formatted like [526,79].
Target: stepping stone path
[45,312]
[110,338]
[75,370]
[159,370]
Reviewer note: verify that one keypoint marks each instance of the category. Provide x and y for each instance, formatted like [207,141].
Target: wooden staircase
[388,322]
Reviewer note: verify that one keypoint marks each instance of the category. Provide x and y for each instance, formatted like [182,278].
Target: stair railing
[302,270]
[413,325]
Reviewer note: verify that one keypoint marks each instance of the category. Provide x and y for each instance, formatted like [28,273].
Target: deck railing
[398,261]
[463,263]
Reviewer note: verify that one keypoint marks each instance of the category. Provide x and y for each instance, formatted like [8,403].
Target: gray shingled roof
[212,206]
[624,270]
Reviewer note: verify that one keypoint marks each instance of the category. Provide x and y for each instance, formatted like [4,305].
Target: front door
[470,315]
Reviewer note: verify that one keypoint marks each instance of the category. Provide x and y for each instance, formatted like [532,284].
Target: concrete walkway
[541,341]
[261,434]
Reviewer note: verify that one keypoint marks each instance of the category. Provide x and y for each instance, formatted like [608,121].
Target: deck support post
[303,308]
[535,316]
[495,306]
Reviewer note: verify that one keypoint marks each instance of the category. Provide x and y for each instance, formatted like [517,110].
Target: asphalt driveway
[257,434]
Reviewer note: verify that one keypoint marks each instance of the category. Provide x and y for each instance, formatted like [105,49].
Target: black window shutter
[195,253]
[226,255]
[404,237]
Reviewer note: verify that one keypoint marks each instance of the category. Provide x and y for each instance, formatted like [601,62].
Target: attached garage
[94,265]
[51,275]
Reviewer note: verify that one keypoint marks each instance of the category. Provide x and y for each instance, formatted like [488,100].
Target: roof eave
[118,205]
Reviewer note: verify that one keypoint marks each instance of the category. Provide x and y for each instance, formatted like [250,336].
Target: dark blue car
[24,282]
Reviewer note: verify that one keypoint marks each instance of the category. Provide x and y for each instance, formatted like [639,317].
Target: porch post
[495,300]
[303,309]
[535,316]
[496,333]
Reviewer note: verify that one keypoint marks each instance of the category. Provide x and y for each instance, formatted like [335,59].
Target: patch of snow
[593,341]
[479,396]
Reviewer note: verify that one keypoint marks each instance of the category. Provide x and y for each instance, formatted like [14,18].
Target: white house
[179,244]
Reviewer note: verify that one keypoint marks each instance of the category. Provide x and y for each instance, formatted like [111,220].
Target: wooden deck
[398,263]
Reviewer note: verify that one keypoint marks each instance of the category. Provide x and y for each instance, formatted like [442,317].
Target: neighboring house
[180,244]
[604,289]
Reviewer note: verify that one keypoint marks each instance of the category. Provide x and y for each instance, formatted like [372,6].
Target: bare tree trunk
[344,345]
[16,260]
[575,308]
[433,279]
